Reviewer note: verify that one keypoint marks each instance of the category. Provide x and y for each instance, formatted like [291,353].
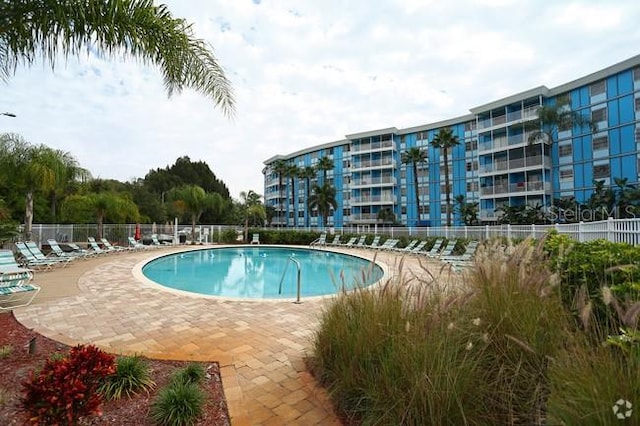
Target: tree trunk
[415,183]
[447,189]
[100,219]
[28,216]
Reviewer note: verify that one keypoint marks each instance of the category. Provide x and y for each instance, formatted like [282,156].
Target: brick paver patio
[260,345]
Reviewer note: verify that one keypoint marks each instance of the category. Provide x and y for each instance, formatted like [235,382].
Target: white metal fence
[615,230]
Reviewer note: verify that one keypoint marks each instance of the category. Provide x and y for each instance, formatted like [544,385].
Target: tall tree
[251,209]
[280,168]
[101,207]
[292,173]
[192,200]
[32,166]
[445,140]
[323,198]
[552,119]
[307,173]
[124,28]
[468,211]
[66,172]
[414,156]
[324,165]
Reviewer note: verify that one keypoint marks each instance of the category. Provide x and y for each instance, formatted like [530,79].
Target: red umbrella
[138,234]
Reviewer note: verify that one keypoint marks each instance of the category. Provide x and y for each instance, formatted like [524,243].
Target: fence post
[610,234]
[580,236]
[533,230]
[486,232]
[509,231]
[465,232]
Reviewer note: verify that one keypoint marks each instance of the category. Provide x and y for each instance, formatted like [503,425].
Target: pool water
[258,273]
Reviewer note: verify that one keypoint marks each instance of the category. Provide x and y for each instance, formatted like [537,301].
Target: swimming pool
[259,272]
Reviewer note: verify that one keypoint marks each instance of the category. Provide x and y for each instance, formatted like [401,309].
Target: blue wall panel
[625,82]
[614,141]
[615,168]
[627,139]
[630,168]
[627,113]
[612,87]
[613,116]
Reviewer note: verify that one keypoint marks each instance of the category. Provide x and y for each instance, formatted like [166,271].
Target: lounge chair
[417,249]
[435,249]
[77,249]
[95,247]
[58,251]
[389,244]
[135,245]
[361,241]
[15,289]
[38,254]
[255,239]
[375,243]
[350,243]
[321,241]
[335,242]
[30,261]
[446,251]
[408,247]
[110,247]
[464,258]
[9,265]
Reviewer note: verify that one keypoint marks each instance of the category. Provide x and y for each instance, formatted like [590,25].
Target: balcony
[369,181]
[370,164]
[364,217]
[488,214]
[516,163]
[515,188]
[372,199]
[374,146]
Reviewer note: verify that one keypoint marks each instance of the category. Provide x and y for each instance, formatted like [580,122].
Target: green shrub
[178,404]
[132,375]
[229,236]
[192,373]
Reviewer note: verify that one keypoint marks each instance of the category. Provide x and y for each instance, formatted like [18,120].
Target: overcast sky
[306,73]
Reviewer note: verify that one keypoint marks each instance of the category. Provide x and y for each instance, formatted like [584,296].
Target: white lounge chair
[321,241]
[255,239]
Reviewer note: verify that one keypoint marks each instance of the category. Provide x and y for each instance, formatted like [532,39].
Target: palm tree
[323,198]
[192,200]
[445,140]
[67,171]
[251,207]
[324,165]
[32,29]
[30,165]
[279,168]
[415,156]
[307,173]
[552,119]
[101,206]
[292,174]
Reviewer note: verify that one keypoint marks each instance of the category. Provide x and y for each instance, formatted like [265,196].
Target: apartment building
[493,165]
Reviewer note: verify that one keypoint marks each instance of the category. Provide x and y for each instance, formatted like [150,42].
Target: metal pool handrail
[291,258]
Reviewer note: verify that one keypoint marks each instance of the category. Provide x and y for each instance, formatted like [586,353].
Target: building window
[600,143]
[636,74]
[601,171]
[403,191]
[471,145]
[637,134]
[346,212]
[403,210]
[598,88]
[565,150]
[424,209]
[472,186]
[637,103]
[598,115]
[566,174]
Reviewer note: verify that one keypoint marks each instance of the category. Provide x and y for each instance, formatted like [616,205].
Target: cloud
[309,73]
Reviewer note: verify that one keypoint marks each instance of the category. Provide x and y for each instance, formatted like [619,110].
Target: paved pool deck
[259,345]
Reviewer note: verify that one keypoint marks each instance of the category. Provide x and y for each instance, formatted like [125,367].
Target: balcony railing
[516,163]
[374,181]
[515,188]
[373,199]
[364,217]
[368,164]
[372,146]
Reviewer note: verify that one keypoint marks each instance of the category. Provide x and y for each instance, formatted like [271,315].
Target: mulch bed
[16,366]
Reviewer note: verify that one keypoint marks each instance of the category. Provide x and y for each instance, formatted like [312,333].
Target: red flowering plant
[66,389]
